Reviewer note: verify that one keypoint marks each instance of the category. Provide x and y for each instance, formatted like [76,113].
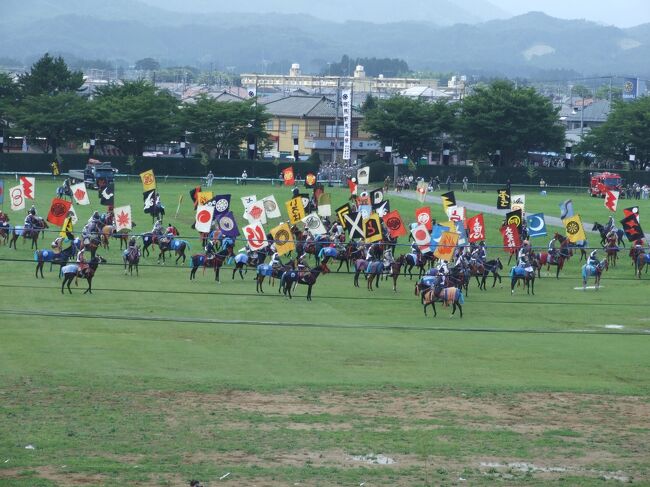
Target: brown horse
[563,254]
[448,296]
[611,250]
[395,270]
[32,233]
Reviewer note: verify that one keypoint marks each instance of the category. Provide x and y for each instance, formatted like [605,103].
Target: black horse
[59,258]
[491,267]
[307,278]
[71,272]
[604,231]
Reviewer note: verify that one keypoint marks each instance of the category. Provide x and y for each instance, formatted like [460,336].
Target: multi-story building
[312,120]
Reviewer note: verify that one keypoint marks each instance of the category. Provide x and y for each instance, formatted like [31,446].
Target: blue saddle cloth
[265,270]
[428,281]
[241,259]
[46,255]
[176,244]
[518,271]
[329,252]
[646,258]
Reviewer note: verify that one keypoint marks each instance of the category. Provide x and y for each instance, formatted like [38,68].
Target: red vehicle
[605,181]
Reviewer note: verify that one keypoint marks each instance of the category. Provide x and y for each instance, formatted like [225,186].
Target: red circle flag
[420,235]
[203,216]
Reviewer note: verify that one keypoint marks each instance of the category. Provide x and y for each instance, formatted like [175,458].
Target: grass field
[156,380]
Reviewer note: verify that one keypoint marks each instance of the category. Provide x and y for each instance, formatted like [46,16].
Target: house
[312,120]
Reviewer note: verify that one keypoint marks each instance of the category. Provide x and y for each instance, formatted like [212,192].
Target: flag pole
[180,200]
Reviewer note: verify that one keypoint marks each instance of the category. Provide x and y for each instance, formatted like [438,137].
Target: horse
[593,270]
[131,257]
[395,270]
[267,270]
[611,250]
[563,254]
[168,244]
[374,270]
[62,257]
[72,271]
[528,276]
[157,212]
[106,232]
[28,233]
[491,267]
[414,260]
[148,240]
[604,231]
[447,295]
[64,192]
[293,277]
[642,260]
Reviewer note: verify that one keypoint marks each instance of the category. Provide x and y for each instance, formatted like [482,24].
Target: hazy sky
[622,13]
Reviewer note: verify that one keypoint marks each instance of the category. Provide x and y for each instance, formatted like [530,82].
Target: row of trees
[48,102]
[499,122]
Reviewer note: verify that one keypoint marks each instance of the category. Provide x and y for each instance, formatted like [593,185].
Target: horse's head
[499,264]
[597,227]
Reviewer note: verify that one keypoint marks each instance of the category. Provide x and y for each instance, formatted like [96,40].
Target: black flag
[107,195]
[503,199]
[147,196]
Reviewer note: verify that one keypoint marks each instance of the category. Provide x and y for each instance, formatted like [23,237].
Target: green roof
[306,107]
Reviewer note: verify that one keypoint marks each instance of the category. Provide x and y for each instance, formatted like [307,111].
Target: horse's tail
[417,289]
[584,272]
[187,244]
[512,272]
[37,255]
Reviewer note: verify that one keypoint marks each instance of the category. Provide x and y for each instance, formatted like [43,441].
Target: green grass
[155,380]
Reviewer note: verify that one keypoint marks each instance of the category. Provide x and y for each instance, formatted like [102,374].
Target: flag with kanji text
[511,238]
[295,210]
[503,199]
[475,228]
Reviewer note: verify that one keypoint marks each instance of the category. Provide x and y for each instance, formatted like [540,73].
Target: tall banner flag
[365,210]
[536,225]
[256,213]
[503,199]
[314,225]
[634,210]
[342,211]
[147,197]
[123,218]
[456,213]
[511,239]
[325,205]
[193,193]
[203,220]
[221,204]
[395,224]
[518,202]
[476,229]
[202,197]
[283,239]
[80,193]
[575,231]
[17,198]
[353,185]
[630,88]
[295,209]
[422,238]
[346,106]
[632,228]
[436,235]
[372,229]
[2,191]
[462,233]
[310,180]
[611,200]
[248,200]
[376,196]
[382,209]
[423,217]
[422,191]
[288,176]
[354,225]
[107,195]
[29,187]
[148,180]
[446,246]
[271,207]
[566,209]
[228,225]
[255,236]
[58,211]
[363,175]
[67,226]
[515,218]
[448,200]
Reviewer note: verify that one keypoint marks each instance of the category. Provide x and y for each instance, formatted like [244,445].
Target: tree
[49,76]
[512,120]
[9,98]
[628,126]
[413,127]
[59,118]
[147,64]
[581,91]
[134,115]
[218,126]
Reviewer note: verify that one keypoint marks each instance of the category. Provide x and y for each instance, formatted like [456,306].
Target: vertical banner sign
[395,225]
[203,220]
[503,199]
[295,210]
[346,105]
[574,229]
[372,229]
[518,202]
[536,225]
[58,211]
[630,88]
[446,246]
[288,177]
[17,198]
[80,194]
[148,180]
[123,218]
[283,239]
[29,186]
[511,240]
[476,228]
[448,200]
[255,236]
[611,200]
[423,217]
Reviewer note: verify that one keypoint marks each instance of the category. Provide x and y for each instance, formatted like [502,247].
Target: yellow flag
[295,209]
[446,246]
[372,228]
[283,239]
[66,227]
[575,231]
[203,197]
[148,180]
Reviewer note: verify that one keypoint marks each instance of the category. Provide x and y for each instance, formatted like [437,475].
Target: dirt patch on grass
[57,475]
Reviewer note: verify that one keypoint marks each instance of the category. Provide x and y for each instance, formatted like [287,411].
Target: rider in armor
[593,258]
[552,251]
[209,250]
[275,259]
[81,261]
[157,228]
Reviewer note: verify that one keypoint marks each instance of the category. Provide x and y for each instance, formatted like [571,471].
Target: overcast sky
[622,13]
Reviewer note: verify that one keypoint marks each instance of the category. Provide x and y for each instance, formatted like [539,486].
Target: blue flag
[630,88]
[460,229]
[536,225]
[566,209]
[436,234]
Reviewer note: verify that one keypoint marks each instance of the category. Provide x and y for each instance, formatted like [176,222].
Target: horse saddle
[646,258]
[265,270]
[330,252]
[518,271]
